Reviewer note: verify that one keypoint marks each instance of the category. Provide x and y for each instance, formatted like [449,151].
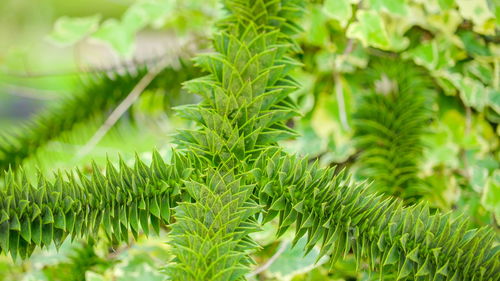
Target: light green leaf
[371,31]
[36,275]
[340,10]
[431,6]
[117,36]
[92,276]
[292,261]
[479,13]
[145,13]
[479,178]
[446,4]
[495,100]
[68,31]
[491,195]
[473,93]
[395,7]
[445,22]
[441,145]
[480,70]
[426,55]
[497,14]
[318,34]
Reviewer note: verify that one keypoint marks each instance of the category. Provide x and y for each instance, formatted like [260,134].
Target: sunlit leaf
[293,261]
[117,36]
[340,10]
[396,7]
[491,195]
[68,31]
[369,29]
[478,11]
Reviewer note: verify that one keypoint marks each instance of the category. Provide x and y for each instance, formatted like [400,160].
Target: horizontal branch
[342,217]
[100,94]
[77,205]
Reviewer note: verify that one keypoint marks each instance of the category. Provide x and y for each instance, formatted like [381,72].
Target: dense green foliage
[231,173]
[389,124]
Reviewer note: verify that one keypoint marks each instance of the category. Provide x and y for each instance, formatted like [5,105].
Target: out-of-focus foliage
[389,125]
[100,94]
[458,52]
[454,42]
[120,34]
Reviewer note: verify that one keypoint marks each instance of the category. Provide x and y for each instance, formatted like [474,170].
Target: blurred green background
[50,48]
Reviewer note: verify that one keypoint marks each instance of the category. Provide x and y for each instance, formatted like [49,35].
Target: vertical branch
[244,110]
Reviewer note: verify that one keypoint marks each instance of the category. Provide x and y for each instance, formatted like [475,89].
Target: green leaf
[426,54]
[395,7]
[446,4]
[473,44]
[318,34]
[479,177]
[117,36]
[473,92]
[92,276]
[292,261]
[491,195]
[371,31]
[68,31]
[479,13]
[339,10]
[145,13]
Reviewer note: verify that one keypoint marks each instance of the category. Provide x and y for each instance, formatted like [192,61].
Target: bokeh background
[51,50]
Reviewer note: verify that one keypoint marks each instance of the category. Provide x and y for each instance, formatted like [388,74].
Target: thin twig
[269,262]
[184,50]
[123,107]
[339,90]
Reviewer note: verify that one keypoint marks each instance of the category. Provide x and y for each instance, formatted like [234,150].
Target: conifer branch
[244,109]
[76,205]
[229,170]
[342,217]
[389,125]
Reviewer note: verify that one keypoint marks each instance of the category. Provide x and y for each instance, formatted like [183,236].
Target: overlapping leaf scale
[389,126]
[341,217]
[211,232]
[245,95]
[98,94]
[77,205]
[244,109]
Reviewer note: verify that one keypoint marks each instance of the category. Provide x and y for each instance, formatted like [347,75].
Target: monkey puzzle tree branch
[231,170]
[244,109]
[76,205]
[342,217]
